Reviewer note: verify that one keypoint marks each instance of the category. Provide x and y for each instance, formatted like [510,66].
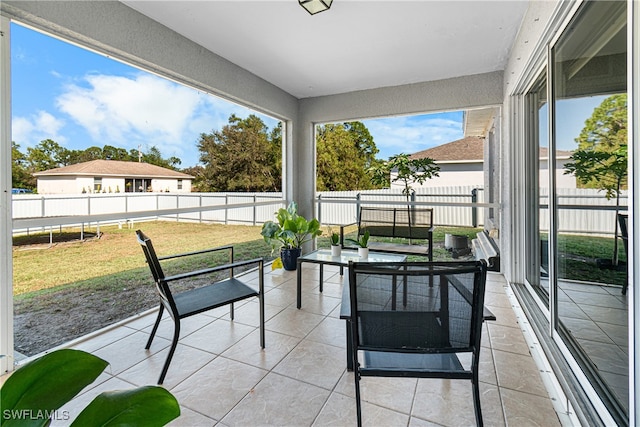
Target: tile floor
[220,375]
[597,317]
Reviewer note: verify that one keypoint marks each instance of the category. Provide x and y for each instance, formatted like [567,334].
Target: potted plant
[363,244]
[289,233]
[336,249]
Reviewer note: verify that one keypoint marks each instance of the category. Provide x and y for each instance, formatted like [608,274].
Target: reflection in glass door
[538,187]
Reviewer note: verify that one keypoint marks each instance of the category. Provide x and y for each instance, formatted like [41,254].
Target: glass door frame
[522,103]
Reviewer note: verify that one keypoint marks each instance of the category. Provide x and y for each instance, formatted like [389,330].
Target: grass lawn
[72,288]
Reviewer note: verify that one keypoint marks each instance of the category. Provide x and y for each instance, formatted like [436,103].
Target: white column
[6,267]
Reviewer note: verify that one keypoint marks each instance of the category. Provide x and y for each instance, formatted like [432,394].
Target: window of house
[179,184]
[97,184]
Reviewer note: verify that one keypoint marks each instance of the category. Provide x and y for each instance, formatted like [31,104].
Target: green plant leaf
[143,406]
[45,384]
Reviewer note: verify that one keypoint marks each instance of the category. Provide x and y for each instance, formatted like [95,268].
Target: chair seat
[207,297]
[394,364]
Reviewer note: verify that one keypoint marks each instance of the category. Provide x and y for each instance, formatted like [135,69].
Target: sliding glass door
[578,181]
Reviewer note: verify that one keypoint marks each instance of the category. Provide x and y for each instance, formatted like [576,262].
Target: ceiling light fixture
[315,6]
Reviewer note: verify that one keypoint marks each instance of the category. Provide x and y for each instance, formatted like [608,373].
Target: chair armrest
[195,273]
[342,227]
[203,251]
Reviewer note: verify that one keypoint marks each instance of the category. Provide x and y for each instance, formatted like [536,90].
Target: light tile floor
[220,375]
[597,317]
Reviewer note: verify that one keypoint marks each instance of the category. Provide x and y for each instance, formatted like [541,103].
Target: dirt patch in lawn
[54,318]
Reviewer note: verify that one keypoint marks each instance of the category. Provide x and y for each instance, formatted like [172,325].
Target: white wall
[562,180]
[70,185]
[450,174]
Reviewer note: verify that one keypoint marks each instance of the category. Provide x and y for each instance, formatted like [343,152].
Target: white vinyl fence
[341,207]
[582,211]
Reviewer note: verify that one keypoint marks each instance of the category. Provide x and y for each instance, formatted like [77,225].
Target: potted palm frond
[288,233]
[363,244]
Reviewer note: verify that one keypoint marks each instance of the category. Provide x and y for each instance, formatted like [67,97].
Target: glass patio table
[323,257]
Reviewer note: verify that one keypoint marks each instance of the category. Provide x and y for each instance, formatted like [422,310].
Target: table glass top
[350,255]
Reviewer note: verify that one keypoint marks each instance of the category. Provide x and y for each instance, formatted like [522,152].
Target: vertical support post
[255,209]
[200,206]
[320,208]
[474,210]
[6,226]
[226,209]
[358,208]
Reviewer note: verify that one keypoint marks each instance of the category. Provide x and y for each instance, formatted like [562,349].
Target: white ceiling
[357,44]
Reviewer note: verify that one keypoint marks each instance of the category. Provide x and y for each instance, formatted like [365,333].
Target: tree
[20,175]
[364,142]
[48,154]
[408,171]
[114,153]
[240,157]
[601,159]
[344,154]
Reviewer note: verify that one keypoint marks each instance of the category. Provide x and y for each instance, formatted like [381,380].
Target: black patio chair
[426,337]
[202,298]
[623,221]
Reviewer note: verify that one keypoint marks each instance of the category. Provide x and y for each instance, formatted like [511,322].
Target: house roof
[469,149]
[115,168]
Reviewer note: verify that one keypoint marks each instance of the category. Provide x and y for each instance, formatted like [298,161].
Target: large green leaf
[45,384]
[145,406]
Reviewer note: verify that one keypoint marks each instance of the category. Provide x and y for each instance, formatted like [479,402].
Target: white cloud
[130,111]
[411,134]
[29,131]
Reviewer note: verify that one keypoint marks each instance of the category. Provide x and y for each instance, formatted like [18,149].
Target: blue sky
[81,99]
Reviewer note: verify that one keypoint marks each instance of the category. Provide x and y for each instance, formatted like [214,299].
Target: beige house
[112,176]
[462,163]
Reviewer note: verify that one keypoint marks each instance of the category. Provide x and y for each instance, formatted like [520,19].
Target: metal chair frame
[202,298]
[401,360]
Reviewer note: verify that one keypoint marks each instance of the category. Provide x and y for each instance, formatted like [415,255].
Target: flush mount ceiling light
[315,6]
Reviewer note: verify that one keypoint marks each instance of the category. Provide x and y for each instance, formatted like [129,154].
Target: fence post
[200,206]
[319,208]
[474,210]
[412,218]
[226,210]
[255,209]
[358,208]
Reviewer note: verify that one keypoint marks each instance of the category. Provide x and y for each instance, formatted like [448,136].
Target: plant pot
[336,250]
[290,258]
[363,252]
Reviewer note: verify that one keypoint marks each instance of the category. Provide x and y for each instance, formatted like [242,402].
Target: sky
[82,99]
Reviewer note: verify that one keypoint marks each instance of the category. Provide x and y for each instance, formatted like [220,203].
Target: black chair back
[444,318]
[164,291]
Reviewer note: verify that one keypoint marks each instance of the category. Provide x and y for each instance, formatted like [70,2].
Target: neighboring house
[462,163]
[112,176]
